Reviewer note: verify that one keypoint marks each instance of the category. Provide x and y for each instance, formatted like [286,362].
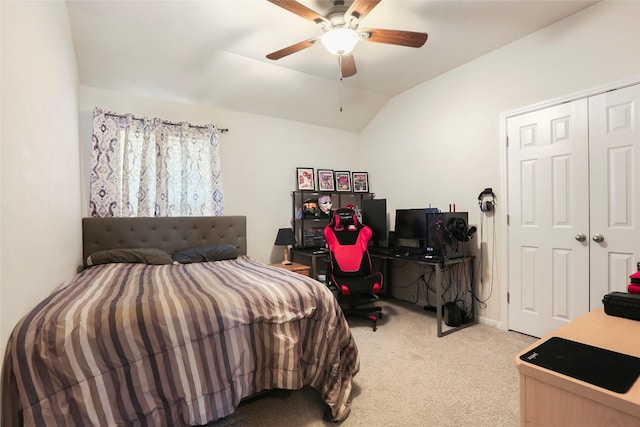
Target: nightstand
[314,258]
[295,267]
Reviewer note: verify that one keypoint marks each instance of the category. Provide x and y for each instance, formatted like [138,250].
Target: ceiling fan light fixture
[340,41]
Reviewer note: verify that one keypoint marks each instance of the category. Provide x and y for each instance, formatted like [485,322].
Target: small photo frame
[360,182]
[326,180]
[305,179]
[343,181]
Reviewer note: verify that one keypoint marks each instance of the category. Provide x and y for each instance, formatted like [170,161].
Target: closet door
[574,207]
[548,205]
[614,140]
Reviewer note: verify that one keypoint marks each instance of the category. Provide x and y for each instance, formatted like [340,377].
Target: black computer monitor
[411,224]
[374,215]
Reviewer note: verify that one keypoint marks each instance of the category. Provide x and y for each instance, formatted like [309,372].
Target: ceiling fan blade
[300,10]
[397,37]
[347,65]
[292,49]
[361,8]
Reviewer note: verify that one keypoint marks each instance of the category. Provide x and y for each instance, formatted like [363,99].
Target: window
[151,167]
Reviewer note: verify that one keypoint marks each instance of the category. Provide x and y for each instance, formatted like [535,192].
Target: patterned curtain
[148,167]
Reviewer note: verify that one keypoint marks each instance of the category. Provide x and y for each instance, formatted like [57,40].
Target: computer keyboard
[415,254]
[381,251]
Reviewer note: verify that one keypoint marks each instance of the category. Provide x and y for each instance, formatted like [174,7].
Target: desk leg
[473,281]
[439,298]
[314,267]
[386,277]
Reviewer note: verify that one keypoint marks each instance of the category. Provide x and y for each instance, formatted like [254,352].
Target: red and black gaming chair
[350,270]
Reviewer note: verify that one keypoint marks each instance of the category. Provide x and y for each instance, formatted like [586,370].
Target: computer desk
[388,260]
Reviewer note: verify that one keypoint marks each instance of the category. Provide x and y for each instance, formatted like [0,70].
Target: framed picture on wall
[360,182]
[343,181]
[325,180]
[305,179]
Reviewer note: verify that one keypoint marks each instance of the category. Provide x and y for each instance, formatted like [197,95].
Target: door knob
[581,237]
[598,238]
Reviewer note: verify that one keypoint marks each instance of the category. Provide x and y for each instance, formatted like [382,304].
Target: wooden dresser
[550,399]
[295,267]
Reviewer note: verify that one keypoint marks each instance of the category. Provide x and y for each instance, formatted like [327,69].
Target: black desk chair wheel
[350,270]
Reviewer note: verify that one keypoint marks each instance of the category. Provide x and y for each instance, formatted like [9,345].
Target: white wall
[40,175]
[446,139]
[259,158]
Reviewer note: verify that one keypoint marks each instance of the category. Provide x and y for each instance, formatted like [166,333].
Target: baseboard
[490,322]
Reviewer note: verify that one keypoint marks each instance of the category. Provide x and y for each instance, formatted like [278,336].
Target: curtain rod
[166,122]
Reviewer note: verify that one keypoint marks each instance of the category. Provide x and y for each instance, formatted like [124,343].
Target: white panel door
[614,141]
[548,202]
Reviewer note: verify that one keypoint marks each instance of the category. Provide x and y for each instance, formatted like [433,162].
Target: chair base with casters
[353,308]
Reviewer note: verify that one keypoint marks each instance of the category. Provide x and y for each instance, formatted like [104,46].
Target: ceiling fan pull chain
[340,82]
[340,93]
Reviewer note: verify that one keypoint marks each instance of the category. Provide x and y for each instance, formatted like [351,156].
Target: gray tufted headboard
[168,233]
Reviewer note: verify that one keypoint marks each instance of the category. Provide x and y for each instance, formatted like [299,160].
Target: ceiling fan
[341,28]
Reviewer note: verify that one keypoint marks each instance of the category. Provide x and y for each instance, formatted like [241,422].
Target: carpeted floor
[410,377]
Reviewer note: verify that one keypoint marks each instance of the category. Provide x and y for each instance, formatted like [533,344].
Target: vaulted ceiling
[213,52]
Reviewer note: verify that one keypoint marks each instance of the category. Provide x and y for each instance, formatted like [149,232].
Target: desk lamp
[285,238]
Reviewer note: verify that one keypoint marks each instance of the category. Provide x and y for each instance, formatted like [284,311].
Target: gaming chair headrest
[344,217]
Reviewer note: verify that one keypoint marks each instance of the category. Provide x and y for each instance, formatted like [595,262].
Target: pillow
[130,255]
[206,253]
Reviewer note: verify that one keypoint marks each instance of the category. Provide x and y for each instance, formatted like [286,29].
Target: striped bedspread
[174,345]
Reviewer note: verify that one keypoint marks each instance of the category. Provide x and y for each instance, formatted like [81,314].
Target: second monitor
[374,214]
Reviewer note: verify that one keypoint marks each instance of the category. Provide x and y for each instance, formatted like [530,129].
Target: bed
[147,341]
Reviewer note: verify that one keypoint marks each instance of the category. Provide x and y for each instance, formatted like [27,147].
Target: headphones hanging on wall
[487,200]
